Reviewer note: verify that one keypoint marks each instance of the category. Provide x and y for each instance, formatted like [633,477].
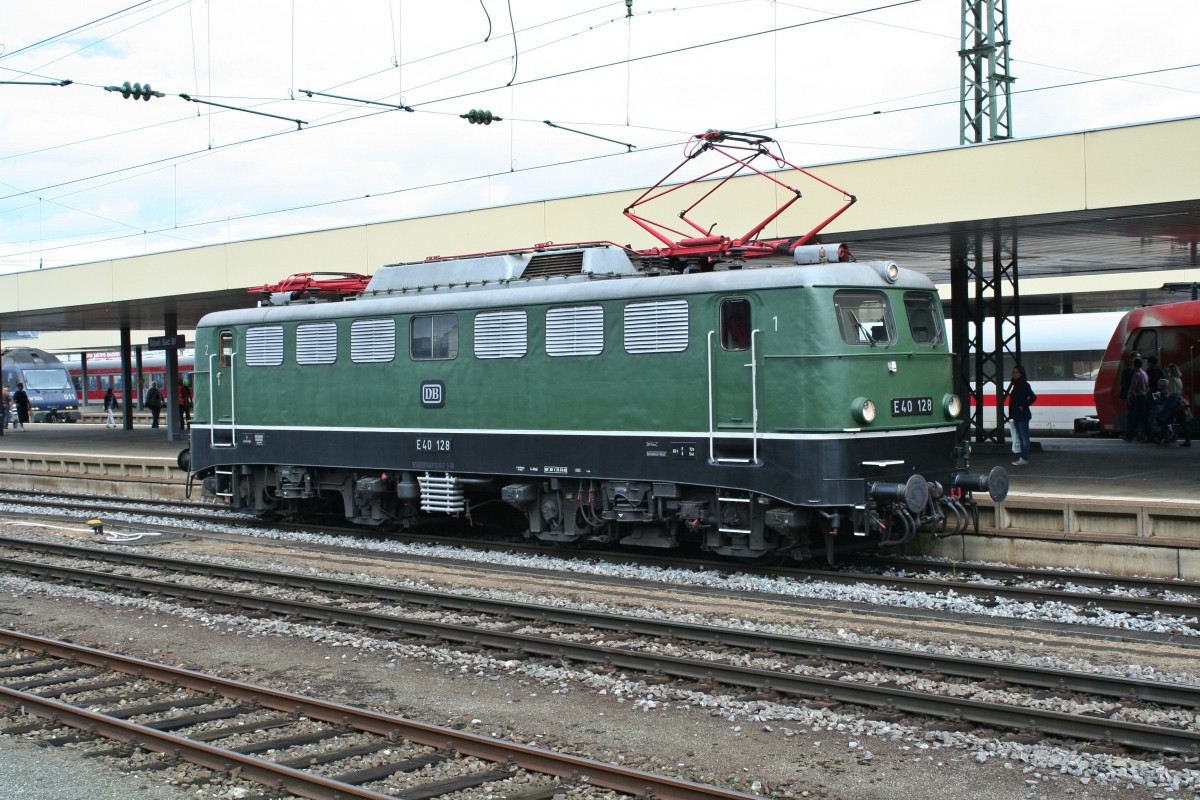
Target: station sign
[176,342]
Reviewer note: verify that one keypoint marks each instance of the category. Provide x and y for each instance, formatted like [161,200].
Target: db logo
[433,394]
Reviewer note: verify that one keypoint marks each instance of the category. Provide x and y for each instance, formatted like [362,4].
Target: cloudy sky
[86,174]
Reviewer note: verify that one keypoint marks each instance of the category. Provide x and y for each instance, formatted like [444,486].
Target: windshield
[46,379]
[864,317]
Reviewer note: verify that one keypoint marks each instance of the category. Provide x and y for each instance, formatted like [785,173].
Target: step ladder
[721,500]
[219,472]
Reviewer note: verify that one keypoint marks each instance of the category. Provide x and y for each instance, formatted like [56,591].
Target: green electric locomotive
[748,407]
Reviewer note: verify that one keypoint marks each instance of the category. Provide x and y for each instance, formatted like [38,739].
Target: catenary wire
[493,174]
[795,124]
[77,28]
[521,83]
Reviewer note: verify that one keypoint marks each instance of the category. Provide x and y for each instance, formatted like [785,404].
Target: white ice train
[1061,354]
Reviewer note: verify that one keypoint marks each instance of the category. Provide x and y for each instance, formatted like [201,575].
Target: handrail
[212,414]
[753,365]
[712,456]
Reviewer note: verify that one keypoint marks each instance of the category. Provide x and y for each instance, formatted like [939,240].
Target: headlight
[952,403]
[888,270]
[863,410]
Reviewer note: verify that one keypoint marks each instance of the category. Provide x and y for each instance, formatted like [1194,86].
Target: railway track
[784,666]
[1143,597]
[303,745]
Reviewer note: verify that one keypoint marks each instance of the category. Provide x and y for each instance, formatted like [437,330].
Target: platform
[1105,504]
[62,438]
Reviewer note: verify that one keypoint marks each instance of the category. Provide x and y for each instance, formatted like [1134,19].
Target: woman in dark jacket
[1020,398]
[110,405]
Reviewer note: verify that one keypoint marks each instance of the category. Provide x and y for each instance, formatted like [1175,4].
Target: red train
[104,370]
[1171,332]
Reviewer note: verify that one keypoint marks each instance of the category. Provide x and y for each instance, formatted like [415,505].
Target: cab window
[735,323]
[226,348]
[924,317]
[864,317]
[1145,342]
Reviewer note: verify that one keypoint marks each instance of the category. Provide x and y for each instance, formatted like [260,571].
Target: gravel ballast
[701,733]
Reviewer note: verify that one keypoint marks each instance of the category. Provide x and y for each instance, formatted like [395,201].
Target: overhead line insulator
[137,91]
[479,116]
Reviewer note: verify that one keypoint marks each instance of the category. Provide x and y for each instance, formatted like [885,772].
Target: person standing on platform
[1154,373]
[154,402]
[1020,397]
[5,408]
[185,403]
[21,399]
[110,405]
[1139,404]
[1183,409]
[1126,377]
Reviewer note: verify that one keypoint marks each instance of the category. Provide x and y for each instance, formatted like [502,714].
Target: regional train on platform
[104,370]
[743,397]
[52,398]
[1171,333]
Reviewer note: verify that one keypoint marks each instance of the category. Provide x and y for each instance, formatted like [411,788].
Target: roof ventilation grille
[547,265]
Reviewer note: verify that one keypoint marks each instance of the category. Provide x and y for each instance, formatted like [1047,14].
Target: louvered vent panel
[372,341]
[316,343]
[264,346]
[575,331]
[548,264]
[656,327]
[501,334]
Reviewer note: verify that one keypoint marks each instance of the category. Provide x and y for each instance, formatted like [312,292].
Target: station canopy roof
[1098,219]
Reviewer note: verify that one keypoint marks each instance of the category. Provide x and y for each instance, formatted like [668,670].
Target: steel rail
[1112,686]
[1109,731]
[1131,605]
[835,576]
[574,768]
[999,572]
[215,758]
[127,505]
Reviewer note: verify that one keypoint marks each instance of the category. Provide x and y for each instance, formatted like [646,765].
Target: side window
[501,334]
[735,323]
[226,358]
[864,317]
[1057,365]
[434,337]
[264,346]
[575,331]
[316,343]
[924,317]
